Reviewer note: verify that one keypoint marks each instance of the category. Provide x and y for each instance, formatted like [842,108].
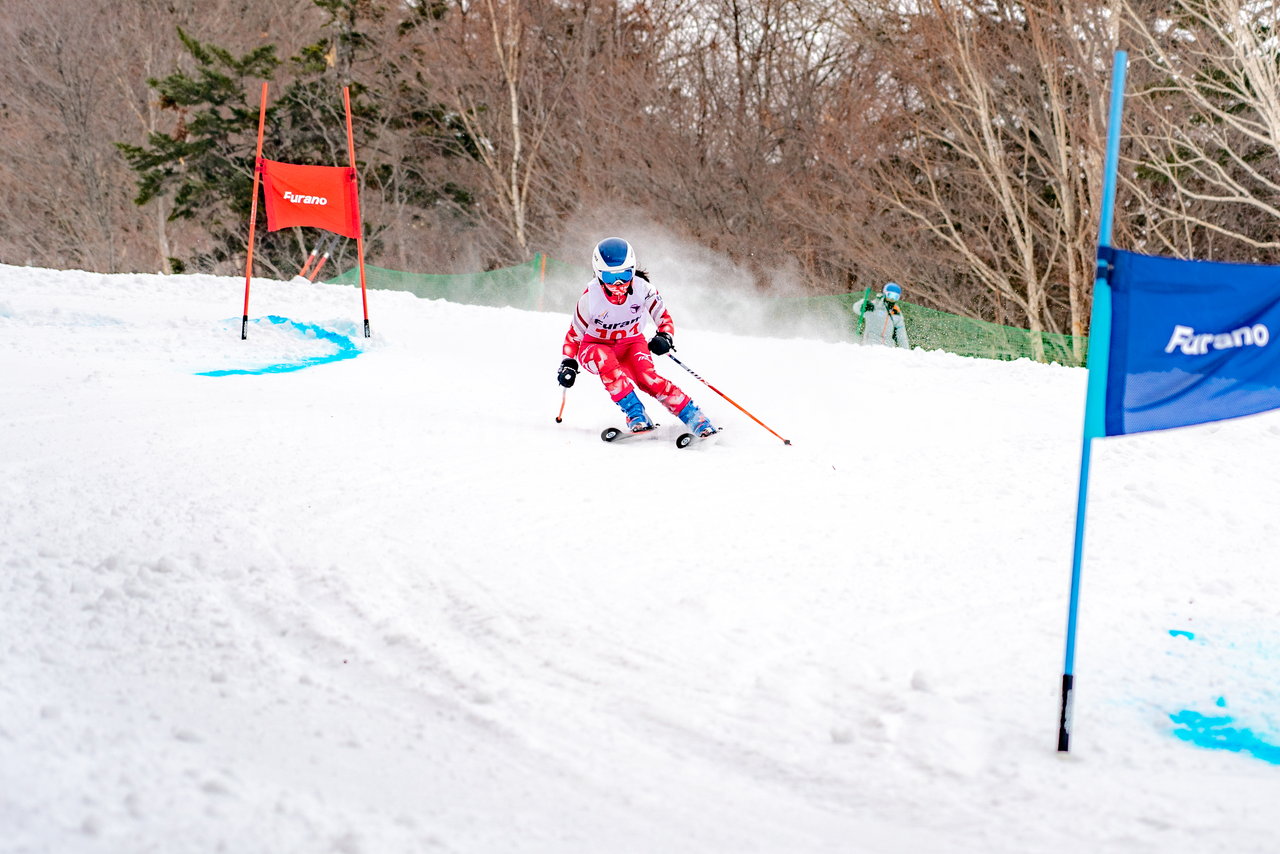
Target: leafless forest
[953,145]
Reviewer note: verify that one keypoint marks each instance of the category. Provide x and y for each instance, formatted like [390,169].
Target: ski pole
[726,397]
[564,393]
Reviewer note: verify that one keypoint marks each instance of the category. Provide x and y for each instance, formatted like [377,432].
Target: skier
[882,318]
[606,333]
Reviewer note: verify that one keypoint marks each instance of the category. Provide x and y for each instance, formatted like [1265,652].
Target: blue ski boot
[637,420]
[699,424]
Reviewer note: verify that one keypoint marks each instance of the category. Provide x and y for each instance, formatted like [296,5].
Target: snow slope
[385,603]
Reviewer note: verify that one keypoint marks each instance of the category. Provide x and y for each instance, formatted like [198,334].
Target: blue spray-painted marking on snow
[1217,732]
[1220,731]
[346,350]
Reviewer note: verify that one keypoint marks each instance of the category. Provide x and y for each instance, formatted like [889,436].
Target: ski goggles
[609,278]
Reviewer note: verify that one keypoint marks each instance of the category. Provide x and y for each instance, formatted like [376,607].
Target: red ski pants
[625,365]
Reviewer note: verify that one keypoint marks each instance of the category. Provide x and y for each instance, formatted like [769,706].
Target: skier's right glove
[661,343]
[568,372]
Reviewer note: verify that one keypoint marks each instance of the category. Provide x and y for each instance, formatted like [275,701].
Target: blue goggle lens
[622,276]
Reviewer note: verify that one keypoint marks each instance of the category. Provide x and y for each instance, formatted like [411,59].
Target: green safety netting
[545,284]
[521,286]
[938,330]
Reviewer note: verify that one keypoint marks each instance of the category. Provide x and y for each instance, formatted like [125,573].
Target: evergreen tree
[207,162]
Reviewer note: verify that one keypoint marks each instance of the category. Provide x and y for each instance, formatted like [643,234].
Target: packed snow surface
[316,592]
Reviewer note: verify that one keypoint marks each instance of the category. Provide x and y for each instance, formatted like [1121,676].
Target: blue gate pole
[1096,393]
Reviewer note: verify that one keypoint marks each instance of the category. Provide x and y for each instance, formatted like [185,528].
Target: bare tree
[984,183]
[66,185]
[475,59]
[74,83]
[743,89]
[1204,128]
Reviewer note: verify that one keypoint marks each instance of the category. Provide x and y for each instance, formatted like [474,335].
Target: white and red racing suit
[608,340]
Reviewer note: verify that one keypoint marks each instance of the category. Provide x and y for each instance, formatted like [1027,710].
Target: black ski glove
[568,372]
[659,344]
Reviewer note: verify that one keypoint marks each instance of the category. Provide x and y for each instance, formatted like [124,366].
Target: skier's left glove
[568,372]
[659,344]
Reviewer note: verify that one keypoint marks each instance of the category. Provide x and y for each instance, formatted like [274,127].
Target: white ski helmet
[893,292]
[614,262]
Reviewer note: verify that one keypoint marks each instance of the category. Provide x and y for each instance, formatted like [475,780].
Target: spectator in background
[881,318]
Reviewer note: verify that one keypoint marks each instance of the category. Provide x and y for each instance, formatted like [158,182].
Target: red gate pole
[253,212]
[351,147]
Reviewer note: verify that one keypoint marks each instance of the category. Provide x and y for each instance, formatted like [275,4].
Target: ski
[684,440]
[617,434]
